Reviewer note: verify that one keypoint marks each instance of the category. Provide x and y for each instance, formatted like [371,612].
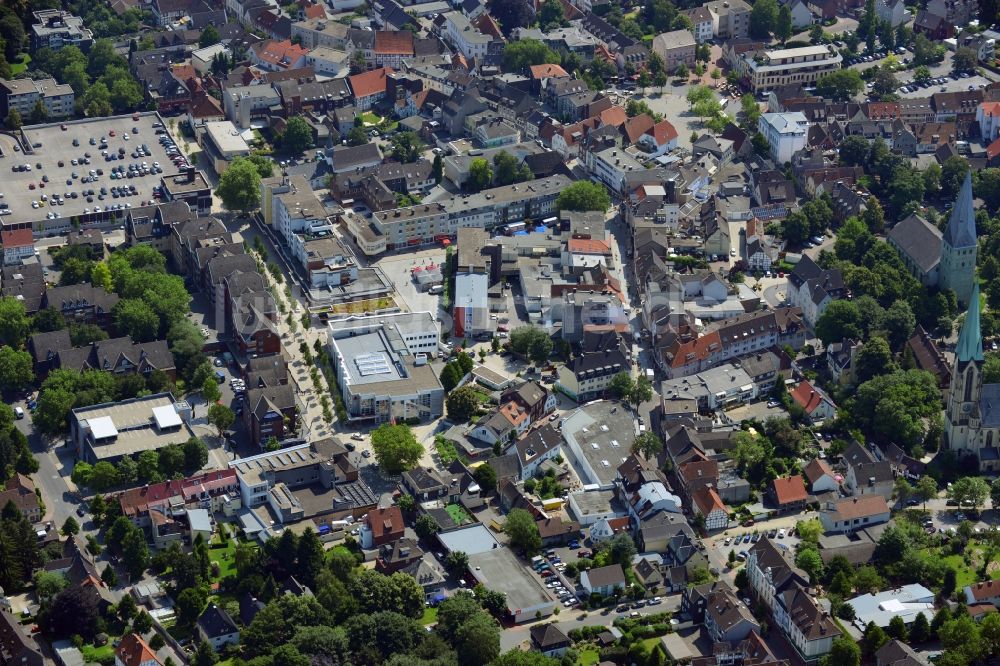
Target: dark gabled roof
[276,399]
[215,622]
[548,637]
[919,240]
[43,345]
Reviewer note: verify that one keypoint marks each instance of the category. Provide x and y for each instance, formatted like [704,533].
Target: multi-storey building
[764,70]
[24,94]
[730,18]
[54,29]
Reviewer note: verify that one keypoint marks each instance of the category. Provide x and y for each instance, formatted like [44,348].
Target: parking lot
[942,84]
[92,167]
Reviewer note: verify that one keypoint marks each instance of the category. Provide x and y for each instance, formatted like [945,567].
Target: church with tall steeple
[957,269]
[972,419]
[946,260]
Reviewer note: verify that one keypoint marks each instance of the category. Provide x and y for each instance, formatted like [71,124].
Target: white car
[732,252]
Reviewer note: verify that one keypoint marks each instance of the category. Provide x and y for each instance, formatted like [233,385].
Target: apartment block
[764,70]
[24,94]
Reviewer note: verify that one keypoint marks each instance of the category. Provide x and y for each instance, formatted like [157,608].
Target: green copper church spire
[970,340]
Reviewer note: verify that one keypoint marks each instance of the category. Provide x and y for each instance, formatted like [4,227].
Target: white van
[18,412]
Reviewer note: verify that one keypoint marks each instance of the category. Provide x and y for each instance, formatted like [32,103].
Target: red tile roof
[369,83]
[807,397]
[990,108]
[385,521]
[790,489]
[547,70]
[637,126]
[817,469]
[133,651]
[707,500]
[987,590]
[588,246]
[615,116]
[993,150]
[281,54]
[315,11]
[662,132]
[486,24]
[16,238]
[696,350]
[135,501]
[394,42]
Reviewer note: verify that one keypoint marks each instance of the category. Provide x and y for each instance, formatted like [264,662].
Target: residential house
[424,485]
[706,502]
[820,477]
[20,490]
[381,526]
[853,513]
[785,133]
[556,531]
[270,412]
[132,650]
[676,47]
[789,493]
[217,628]
[603,580]
[550,640]
[727,619]
[369,87]
[892,12]
[816,403]
[813,288]
[987,592]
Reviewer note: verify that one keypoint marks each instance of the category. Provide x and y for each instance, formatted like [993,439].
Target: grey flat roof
[500,570]
[600,436]
[58,145]
[471,540]
[595,502]
[368,359]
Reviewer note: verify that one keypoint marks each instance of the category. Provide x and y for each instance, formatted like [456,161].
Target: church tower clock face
[967,407]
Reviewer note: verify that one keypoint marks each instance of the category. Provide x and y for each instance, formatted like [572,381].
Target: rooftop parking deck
[92,169]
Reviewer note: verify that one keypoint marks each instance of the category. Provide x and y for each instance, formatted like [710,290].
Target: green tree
[897,628]
[841,85]
[763,18]
[135,553]
[518,55]
[621,386]
[747,450]
[14,322]
[809,560]
[584,195]
[843,652]
[964,60]
[873,359]
[437,168]
[480,174]
[298,136]
[357,136]
[682,71]
[136,319]
[551,15]
[648,444]
[783,28]
[953,172]
[221,417]
[477,640]
[48,584]
[406,146]
[70,527]
[969,491]
[209,36]
[14,120]
[426,526]
[462,404]
[751,112]
[839,320]
[926,489]
[920,630]
[522,531]
[456,563]
[486,477]
[239,186]
[396,449]
[16,369]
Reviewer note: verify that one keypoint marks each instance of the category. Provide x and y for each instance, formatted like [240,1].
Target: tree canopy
[396,449]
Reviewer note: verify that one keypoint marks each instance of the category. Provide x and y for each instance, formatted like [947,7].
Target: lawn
[964,575]
[369,118]
[458,514]
[588,657]
[94,654]
[225,559]
[20,65]
[430,615]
